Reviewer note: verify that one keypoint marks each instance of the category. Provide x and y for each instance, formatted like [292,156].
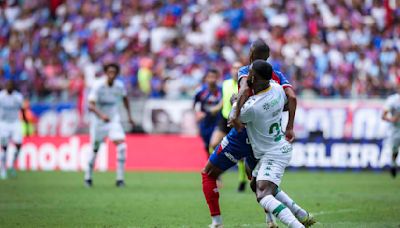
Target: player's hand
[289,135]
[236,123]
[105,119]
[200,116]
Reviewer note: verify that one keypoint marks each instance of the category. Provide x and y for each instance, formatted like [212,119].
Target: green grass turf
[56,199]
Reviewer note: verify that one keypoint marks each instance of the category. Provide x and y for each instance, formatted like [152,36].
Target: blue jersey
[277,76]
[208,100]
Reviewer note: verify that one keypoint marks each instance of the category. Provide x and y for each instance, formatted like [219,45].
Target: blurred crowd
[330,48]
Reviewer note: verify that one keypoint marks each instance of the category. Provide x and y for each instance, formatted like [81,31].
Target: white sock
[299,212]
[217,219]
[280,211]
[89,171]
[121,156]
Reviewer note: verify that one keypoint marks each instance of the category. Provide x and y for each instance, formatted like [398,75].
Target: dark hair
[260,50]
[262,69]
[112,65]
[212,70]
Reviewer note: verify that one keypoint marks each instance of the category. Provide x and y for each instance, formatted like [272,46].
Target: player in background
[391,114]
[104,99]
[235,146]
[209,98]
[11,104]
[262,114]
[229,88]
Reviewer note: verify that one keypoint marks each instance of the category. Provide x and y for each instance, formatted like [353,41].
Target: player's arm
[216,108]
[199,115]
[291,106]
[93,108]
[128,109]
[386,116]
[23,112]
[242,97]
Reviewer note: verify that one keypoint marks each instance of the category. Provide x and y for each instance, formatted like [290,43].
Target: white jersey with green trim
[10,106]
[392,105]
[262,114]
[107,98]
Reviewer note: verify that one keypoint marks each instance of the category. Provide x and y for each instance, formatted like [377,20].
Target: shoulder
[244,70]
[98,83]
[119,84]
[18,95]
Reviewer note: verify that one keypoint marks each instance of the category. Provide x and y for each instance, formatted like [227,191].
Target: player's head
[111,70]
[10,86]
[211,77]
[234,70]
[260,73]
[258,50]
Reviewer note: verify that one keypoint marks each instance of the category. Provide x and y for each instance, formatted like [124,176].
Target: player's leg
[302,215]
[17,138]
[268,179]
[97,136]
[3,159]
[209,177]
[206,134]
[221,160]
[395,152]
[242,176]
[251,164]
[117,135]
[4,139]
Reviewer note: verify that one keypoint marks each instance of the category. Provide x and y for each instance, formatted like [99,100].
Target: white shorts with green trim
[271,168]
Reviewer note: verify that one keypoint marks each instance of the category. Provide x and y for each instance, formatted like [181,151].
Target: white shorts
[271,168]
[10,131]
[113,130]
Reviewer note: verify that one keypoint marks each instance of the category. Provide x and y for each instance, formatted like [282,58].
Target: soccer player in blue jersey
[236,146]
[210,99]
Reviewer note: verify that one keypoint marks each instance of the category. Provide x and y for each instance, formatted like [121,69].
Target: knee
[264,189]
[212,171]
[96,146]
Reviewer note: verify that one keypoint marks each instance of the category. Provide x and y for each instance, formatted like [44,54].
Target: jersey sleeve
[247,111]
[243,72]
[93,94]
[282,79]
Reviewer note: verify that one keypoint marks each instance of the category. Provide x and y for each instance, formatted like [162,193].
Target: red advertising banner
[144,152]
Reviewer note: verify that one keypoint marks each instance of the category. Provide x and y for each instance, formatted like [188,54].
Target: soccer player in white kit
[104,99]
[11,103]
[262,114]
[391,114]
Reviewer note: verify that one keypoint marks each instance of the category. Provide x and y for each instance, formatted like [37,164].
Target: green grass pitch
[57,199]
